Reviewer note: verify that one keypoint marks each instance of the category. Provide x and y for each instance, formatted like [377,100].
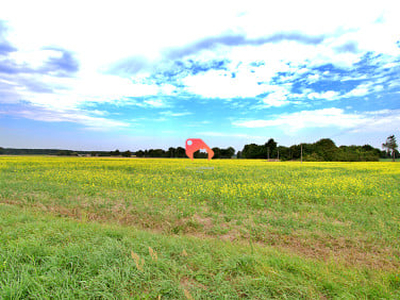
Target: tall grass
[48,257]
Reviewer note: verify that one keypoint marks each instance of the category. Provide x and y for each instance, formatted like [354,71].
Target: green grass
[42,256]
[388,160]
[250,228]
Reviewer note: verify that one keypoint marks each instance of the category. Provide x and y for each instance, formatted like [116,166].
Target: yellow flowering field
[249,183]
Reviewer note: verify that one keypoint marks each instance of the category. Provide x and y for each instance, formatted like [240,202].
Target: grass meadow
[180,229]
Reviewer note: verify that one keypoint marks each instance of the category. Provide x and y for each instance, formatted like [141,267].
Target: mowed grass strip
[42,256]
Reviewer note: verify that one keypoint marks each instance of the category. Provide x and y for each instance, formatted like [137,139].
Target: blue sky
[132,75]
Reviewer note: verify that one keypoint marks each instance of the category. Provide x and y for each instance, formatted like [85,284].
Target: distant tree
[180,152]
[253,151]
[326,149]
[230,152]
[371,149]
[391,146]
[312,157]
[357,153]
[270,148]
[67,153]
[171,152]
[157,153]
[139,153]
[368,147]
[283,153]
[217,152]
[1,150]
[127,153]
[223,153]
[294,152]
[115,153]
[200,154]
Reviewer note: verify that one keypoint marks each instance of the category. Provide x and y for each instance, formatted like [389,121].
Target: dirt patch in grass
[354,253]
[232,235]
[189,283]
[206,222]
[347,251]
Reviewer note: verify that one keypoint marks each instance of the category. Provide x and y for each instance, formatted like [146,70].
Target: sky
[105,75]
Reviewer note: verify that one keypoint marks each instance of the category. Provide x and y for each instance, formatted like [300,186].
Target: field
[175,228]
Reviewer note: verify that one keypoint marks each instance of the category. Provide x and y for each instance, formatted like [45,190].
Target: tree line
[179,152]
[322,150]
[172,152]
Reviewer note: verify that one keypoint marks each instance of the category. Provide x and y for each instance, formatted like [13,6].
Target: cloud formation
[328,117]
[233,40]
[5,46]
[88,120]
[62,64]
[247,68]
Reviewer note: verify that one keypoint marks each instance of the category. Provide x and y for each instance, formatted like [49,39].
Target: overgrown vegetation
[82,227]
[42,256]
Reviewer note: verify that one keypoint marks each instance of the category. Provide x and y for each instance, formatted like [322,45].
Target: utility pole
[301,153]
[268,152]
[278,154]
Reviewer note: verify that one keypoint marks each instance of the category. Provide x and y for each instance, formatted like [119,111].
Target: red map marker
[192,145]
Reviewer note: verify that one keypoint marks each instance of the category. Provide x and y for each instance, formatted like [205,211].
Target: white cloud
[385,120]
[98,43]
[157,103]
[365,89]
[254,123]
[175,114]
[228,135]
[328,95]
[220,84]
[390,65]
[305,119]
[70,93]
[277,98]
[359,91]
[370,121]
[73,116]
[313,78]
[247,82]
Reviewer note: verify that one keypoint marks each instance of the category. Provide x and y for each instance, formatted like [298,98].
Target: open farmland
[175,228]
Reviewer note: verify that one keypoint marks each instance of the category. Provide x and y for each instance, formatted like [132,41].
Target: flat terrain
[175,228]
